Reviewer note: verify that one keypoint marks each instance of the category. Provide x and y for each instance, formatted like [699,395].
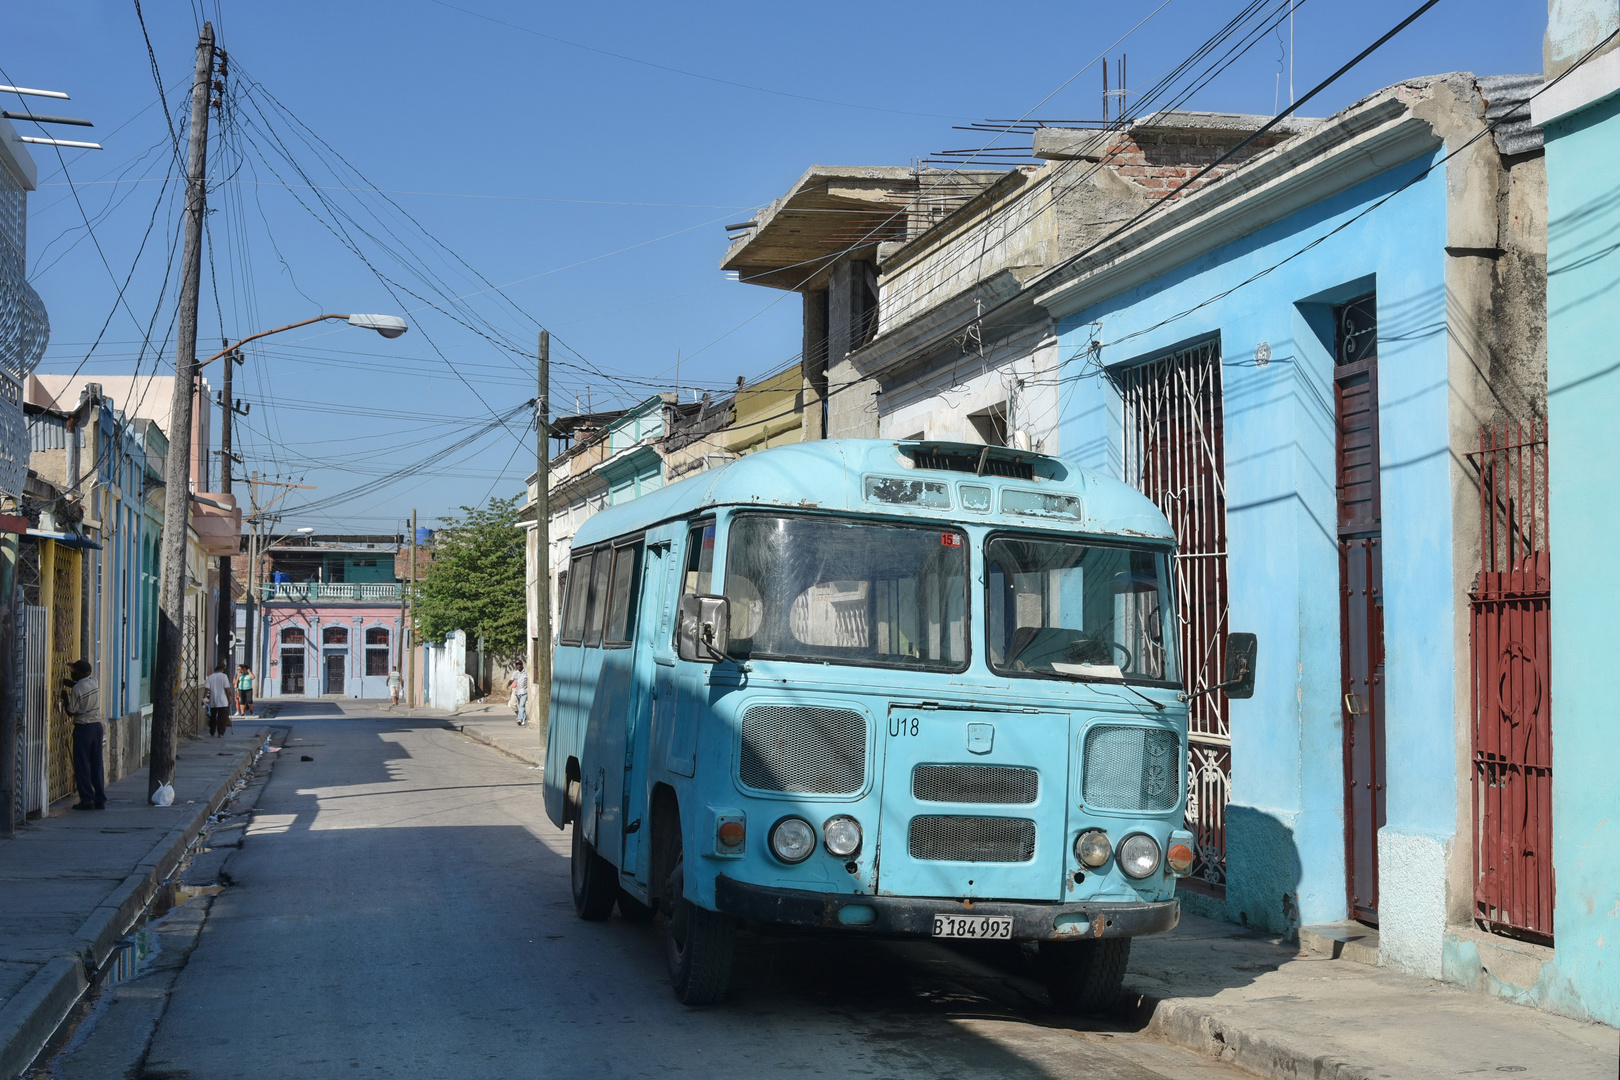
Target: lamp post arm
[266,333]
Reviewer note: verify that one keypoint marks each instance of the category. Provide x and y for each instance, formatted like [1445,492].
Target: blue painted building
[1296,358]
[1300,365]
[1579,115]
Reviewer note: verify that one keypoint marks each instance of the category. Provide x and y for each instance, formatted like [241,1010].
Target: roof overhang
[832,211]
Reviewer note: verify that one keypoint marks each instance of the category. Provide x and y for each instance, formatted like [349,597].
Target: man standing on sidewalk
[81,700]
[519,684]
[218,686]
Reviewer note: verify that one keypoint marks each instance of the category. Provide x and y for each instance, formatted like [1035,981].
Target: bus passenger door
[682,686]
[656,586]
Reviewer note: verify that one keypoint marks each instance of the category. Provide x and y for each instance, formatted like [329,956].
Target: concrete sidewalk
[496,725]
[73,883]
[1261,1004]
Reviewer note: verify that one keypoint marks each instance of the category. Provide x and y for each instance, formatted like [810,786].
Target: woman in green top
[244,690]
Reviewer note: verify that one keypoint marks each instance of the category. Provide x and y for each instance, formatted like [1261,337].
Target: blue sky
[592,188]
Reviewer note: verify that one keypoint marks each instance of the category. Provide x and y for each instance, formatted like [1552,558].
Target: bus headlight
[792,840]
[842,835]
[1139,855]
[1092,848]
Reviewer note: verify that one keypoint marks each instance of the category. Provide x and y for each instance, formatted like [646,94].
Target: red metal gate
[1175,455]
[1511,685]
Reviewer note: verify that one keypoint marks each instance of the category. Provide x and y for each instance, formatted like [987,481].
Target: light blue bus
[874,687]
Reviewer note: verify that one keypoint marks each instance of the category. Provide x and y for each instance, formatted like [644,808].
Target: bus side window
[621,611]
[573,619]
[699,577]
[598,606]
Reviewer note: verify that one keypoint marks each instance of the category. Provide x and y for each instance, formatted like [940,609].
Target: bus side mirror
[703,628]
[1240,656]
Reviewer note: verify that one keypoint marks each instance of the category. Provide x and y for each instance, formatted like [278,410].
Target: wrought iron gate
[36,709]
[1511,684]
[1174,454]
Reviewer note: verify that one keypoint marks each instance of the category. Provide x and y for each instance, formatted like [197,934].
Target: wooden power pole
[226,630]
[540,693]
[177,470]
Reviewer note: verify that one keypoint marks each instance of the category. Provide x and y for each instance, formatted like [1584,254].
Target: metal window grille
[975,784]
[1125,767]
[1174,454]
[803,749]
[1511,671]
[949,838]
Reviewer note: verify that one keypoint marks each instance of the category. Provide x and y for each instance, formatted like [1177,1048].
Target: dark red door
[1361,600]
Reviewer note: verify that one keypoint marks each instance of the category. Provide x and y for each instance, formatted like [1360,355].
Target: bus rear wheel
[1084,976]
[698,944]
[595,884]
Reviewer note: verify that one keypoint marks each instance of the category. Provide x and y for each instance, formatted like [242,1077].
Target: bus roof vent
[982,460]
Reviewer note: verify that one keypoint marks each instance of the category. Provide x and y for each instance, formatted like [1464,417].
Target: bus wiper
[1067,672]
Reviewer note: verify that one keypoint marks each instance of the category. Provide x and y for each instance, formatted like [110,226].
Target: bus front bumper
[913,916]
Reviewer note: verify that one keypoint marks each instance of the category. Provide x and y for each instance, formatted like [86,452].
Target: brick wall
[1160,160]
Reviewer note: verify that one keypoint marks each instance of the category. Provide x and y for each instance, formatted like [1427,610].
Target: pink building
[331,618]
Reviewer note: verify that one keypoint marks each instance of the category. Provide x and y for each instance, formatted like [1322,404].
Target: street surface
[400,907]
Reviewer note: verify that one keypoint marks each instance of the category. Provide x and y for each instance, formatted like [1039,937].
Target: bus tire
[1084,976]
[595,884]
[698,944]
[631,909]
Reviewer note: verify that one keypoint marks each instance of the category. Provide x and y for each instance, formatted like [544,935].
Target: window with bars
[377,650]
[1175,455]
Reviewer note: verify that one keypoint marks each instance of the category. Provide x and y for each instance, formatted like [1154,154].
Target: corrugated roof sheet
[1507,105]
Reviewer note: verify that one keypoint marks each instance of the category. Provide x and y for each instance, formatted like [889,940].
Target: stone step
[1352,941]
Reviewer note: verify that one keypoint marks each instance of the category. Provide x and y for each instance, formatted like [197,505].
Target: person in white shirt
[218,688]
[519,685]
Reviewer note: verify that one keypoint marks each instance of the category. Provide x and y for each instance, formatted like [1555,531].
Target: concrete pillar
[813,362]
[851,400]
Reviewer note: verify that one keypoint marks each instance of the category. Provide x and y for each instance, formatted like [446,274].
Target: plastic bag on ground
[163,796]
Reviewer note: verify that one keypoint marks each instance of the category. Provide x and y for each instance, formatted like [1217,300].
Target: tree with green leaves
[476,580]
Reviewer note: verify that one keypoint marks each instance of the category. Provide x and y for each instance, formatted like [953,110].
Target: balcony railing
[314,591]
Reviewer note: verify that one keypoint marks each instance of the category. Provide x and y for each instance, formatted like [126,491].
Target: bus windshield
[1073,609]
[845,591]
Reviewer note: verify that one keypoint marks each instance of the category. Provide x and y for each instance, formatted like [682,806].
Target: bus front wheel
[1084,976]
[698,944]
[595,884]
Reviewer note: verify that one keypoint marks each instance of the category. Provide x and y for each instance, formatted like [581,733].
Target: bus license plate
[982,927]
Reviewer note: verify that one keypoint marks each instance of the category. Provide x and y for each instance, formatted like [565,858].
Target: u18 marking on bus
[904,725]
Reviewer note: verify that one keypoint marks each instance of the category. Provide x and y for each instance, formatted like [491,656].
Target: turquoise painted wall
[1583,404]
[1285,824]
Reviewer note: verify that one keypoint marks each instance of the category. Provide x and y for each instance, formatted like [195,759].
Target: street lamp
[389,326]
[176,514]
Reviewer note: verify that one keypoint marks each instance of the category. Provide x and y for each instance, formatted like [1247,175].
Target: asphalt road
[400,907]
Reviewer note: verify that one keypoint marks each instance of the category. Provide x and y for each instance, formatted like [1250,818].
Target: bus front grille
[1132,768]
[803,749]
[974,784]
[952,838]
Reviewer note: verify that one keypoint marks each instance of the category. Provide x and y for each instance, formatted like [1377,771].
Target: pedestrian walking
[518,684]
[81,700]
[244,690]
[394,684]
[218,688]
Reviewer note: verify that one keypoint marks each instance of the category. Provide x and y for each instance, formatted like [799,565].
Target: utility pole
[177,471]
[410,626]
[251,600]
[227,601]
[540,693]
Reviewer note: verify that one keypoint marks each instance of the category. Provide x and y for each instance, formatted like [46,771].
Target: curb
[32,1014]
[1264,1051]
[480,737]
[34,1011]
